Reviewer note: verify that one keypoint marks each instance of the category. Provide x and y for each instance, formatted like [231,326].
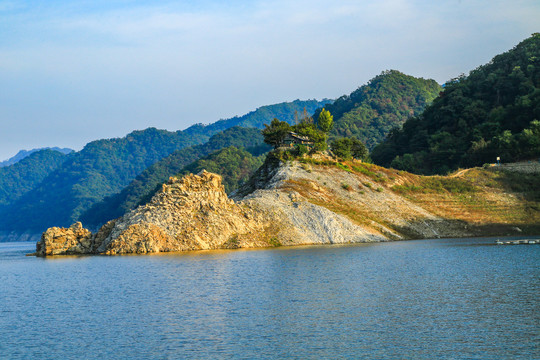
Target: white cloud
[115,68]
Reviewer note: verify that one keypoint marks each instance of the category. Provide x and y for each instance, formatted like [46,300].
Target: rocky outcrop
[61,241]
[192,213]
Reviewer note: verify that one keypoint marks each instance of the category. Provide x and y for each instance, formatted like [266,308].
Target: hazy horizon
[76,71]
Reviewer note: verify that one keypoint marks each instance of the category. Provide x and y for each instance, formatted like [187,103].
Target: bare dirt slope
[396,204]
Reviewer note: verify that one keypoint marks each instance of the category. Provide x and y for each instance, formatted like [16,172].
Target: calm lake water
[430,299]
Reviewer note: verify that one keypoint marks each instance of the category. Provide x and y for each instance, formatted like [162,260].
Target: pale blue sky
[75,71]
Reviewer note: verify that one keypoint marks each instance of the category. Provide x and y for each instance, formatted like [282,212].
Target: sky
[80,70]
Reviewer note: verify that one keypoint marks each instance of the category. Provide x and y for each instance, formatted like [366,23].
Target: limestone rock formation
[187,214]
[62,241]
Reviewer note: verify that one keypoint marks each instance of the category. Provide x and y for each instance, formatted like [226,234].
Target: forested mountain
[372,110]
[25,153]
[24,175]
[283,111]
[102,168]
[144,185]
[493,112]
[105,167]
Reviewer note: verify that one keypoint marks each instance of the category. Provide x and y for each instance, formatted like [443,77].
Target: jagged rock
[187,214]
[65,241]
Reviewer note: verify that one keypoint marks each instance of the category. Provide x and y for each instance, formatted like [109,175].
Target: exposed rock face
[62,241]
[318,198]
[187,214]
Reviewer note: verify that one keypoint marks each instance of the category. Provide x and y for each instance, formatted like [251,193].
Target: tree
[275,132]
[325,121]
[529,140]
[358,149]
[341,148]
[315,135]
[347,148]
[305,117]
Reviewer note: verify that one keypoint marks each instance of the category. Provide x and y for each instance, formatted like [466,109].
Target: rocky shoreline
[283,204]
[195,213]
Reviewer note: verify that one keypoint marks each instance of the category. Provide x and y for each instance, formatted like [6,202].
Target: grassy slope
[480,201]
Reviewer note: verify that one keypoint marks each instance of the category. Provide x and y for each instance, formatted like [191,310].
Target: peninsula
[313,200]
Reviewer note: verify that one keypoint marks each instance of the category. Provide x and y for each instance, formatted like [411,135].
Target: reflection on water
[443,299]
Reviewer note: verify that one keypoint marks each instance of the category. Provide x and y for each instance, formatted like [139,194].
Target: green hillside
[144,185]
[386,102]
[23,175]
[493,112]
[102,168]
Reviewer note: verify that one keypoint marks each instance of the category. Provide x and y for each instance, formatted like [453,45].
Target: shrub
[343,167]
[273,241]
[363,170]
[301,149]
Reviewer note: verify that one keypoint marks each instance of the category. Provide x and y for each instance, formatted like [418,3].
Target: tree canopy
[347,148]
[275,132]
[490,113]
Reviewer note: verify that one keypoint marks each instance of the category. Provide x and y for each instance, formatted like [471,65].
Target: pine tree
[325,122]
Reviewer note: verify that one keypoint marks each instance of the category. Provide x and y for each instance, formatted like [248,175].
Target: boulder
[65,241]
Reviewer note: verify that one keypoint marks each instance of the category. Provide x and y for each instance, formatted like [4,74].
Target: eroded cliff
[187,214]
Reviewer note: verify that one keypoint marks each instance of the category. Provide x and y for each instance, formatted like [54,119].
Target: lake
[428,299]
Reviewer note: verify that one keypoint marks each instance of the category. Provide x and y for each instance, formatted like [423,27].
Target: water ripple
[444,299]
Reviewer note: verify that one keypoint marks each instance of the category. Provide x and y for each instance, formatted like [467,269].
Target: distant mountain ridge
[384,103]
[25,153]
[104,167]
[284,111]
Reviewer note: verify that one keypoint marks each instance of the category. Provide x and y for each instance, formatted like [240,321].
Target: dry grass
[476,196]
